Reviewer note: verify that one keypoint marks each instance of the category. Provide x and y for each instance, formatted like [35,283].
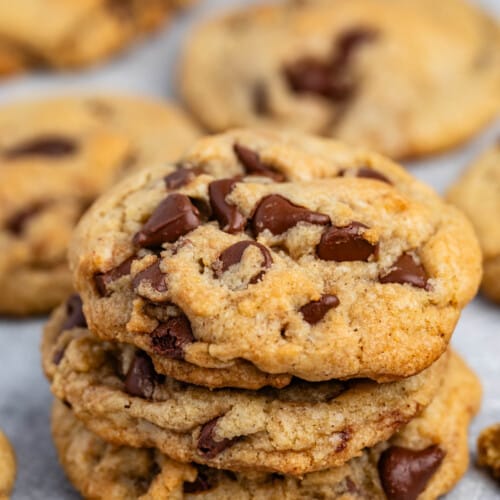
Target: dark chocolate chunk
[141,377]
[406,270]
[253,164]
[51,146]
[103,280]
[174,217]
[314,311]
[171,337]
[233,255]
[309,75]
[260,99]
[345,244]
[152,275]
[207,445]
[181,177]
[74,314]
[16,223]
[404,473]
[367,173]
[333,78]
[277,214]
[230,220]
[204,481]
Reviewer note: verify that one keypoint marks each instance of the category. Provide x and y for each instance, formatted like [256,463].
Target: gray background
[150,69]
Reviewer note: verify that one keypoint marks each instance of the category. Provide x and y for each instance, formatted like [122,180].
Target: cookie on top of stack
[269,314]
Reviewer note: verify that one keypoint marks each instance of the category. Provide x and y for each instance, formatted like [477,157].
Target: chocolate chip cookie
[477,193]
[56,156]
[424,460]
[116,391]
[488,449]
[7,467]
[382,74]
[295,254]
[68,34]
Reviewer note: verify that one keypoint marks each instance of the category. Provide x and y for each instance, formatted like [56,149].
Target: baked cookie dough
[477,193]
[295,254]
[304,427]
[396,77]
[7,467]
[488,449]
[433,446]
[56,156]
[66,34]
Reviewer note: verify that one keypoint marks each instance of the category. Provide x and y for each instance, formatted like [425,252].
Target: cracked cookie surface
[79,33]
[477,193]
[56,156]
[7,467]
[304,427]
[298,255]
[433,445]
[384,75]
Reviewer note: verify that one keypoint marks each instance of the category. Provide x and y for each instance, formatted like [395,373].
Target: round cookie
[304,427]
[477,193]
[332,274]
[7,467]
[78,34]
[434,444]
[488,449]
[56,156]
[382,74]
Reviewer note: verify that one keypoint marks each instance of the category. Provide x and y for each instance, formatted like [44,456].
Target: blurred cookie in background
[69,34]
[397,77]
[56,156]
[477,193]
[7,467]
[488,449]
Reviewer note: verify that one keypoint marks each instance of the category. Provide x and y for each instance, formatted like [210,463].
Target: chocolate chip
[207,445]
[16,223]
[181,177]
[103,280]
[350,41]
[260,99]
[253,164]
[204,481]
[141,377]
[233,255]
[344,438]
[171,337]
[309,75]
[74,314]
[277,214]
[332,78]
[152,275]
[404,473]
[406,270]
[345,244]
[314,311]
[58,356]
[52,146]
[367,173]
[174,217]
[230,220]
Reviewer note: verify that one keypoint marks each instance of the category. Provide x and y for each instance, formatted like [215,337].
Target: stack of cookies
[269,317]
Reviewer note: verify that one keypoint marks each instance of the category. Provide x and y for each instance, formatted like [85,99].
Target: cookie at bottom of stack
[7,467]
[433,447]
